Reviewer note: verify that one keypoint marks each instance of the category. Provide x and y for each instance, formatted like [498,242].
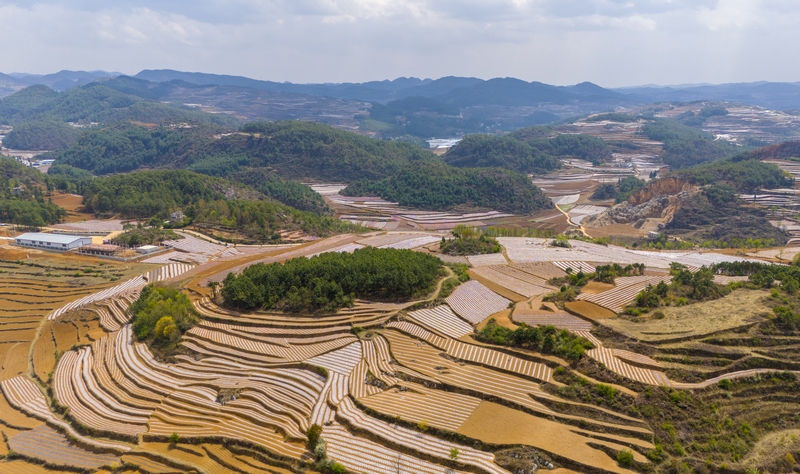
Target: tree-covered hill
[303,150]
[127,147]
[157,193]
[295,150]
[437,186]
[686,146]
[742,173]
[22,199]
[41,135]
[780,151]
[332,280]
[96,102]
[482,151]
[526,152]
[215,203]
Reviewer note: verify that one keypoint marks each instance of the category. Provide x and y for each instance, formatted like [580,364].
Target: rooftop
[54,238]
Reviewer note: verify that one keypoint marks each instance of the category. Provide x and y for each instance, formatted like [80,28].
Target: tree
[174,438]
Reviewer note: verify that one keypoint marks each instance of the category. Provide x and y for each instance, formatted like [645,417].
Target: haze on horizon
[613,43]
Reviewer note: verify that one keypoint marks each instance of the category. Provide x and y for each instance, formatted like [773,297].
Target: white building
[58,242]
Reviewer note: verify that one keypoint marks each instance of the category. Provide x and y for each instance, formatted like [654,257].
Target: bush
[337,468]
[625,458]
[174,438]
[725,384]
[161,315]
[545,339]
[561,241]
[314,432]
[606,391]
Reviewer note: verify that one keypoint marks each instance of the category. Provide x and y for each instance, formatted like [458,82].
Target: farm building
[146,249]
[102,250]
[62,243]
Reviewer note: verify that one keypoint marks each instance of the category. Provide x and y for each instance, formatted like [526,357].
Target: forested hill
[297,150]
[742,173]
[41,135]
[686,146]
[215,203]
[22,198]
[96,102]
[305,150]
[526,155]
[144,194]
[437,186]
[779,151]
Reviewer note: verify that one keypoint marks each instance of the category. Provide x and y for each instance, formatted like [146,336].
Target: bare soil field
[73,204]
[614,230]
[589,310]
[497,424]
[594,287]
[739,308]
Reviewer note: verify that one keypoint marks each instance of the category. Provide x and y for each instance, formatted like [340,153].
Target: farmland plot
[48,445]
[475,302]
[623,294]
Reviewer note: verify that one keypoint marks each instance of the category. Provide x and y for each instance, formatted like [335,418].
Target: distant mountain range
[458,91]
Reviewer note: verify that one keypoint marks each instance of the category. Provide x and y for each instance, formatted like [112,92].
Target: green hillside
[41,135]
[22,199]
[436,186]
[95,102]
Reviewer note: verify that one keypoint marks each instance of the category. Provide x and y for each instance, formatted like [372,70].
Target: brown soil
[15,361]
[497,424]
[8,253]
[589,310]
[73,205]
[739,308]
[10,416]
[44,350]
[503,318]
[19,466]
[622,230]
[595,287]
[66,335]
[17,336]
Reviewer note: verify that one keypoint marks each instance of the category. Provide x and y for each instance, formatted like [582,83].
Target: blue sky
[610,42]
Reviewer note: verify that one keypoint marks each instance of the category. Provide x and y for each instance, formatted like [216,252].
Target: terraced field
[396,386]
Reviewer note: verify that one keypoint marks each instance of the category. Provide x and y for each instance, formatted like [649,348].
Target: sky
[613,43]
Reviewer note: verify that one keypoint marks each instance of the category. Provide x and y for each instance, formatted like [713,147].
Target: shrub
[161,315]
[789,459]
[321,449]
[561,241]
[337,468]
[174,438]
[606,391]
[423,425]
[725,384]
[454,454]
[313,433]
[625,457]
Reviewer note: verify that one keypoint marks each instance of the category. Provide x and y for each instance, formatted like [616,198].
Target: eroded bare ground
[411,391]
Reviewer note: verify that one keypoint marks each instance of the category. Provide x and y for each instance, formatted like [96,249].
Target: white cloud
[611,42]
